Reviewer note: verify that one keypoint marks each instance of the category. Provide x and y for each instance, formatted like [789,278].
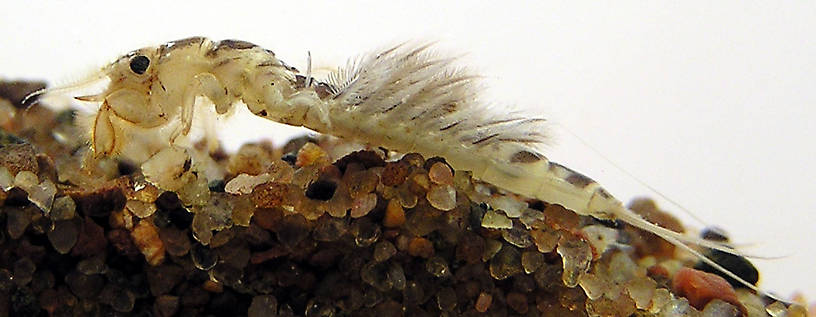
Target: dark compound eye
[139,64]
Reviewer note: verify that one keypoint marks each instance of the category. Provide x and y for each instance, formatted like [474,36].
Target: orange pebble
[483,302]
[420,247]
[394,214]
[213,286]
[700,288]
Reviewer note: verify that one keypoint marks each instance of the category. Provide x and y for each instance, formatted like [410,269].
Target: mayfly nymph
[404,98]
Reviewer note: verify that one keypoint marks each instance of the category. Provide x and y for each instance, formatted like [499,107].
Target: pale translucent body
[403,98]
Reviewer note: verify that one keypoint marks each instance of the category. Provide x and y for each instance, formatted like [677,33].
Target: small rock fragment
[506,263]
[438,267]
[440,173]
[420,247]
[17,220]
[146,237]
[483,302]
[719,308]
[263,306]
[531,261]
[64,208]
[576,256]
[511,206]
[517,302]
[140,209]
[311,154]
[394,214]
[362,205]
[63,235]
[495,220]
[166,305]
[442,197]
[545,239]
[395,173]
[91,240]
[383,251]
[245,183]
[446,299]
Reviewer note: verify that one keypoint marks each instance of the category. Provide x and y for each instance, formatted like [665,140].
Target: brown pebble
[166,305]
[63,235]
[470,248]
[91,240]
[176,242]
[263,306]
[395,173]
[99,202]
[19,157]
[394,214]
[545,240]
[518,302]
[268,219]
[420,247]
[647,243]
[603,306]
[269,195]
[163,278]
[46,167]
[560,218]
[48,301]
[17,220]
[367,158]
[121,240]
[263,256]
[658,273]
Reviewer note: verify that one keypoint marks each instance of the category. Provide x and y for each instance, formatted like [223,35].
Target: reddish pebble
[658,273]
[483,302]
[700,288]
[420,247]
[440,173]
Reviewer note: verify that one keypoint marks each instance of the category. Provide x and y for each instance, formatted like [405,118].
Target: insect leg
[208,85]
[103,137]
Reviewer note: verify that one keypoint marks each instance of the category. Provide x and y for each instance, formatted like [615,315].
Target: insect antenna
[33,97]
[680,240]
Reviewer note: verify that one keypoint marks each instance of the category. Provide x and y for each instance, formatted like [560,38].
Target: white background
[711,102]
